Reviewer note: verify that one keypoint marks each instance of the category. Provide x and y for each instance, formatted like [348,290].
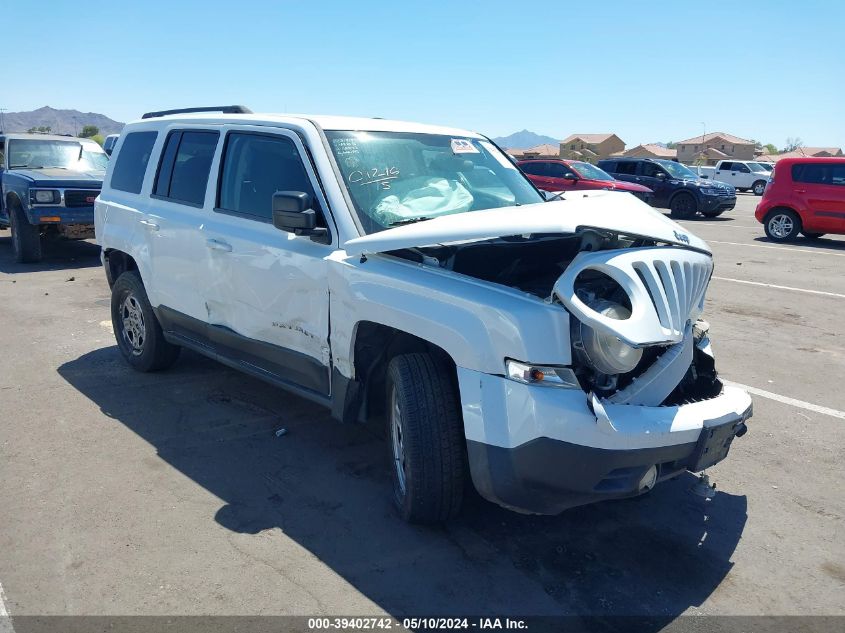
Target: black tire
[812,236]
[430,454]
[713,214]
[782,225]
[759,187]
[136,328]
[683,206]
[26,238]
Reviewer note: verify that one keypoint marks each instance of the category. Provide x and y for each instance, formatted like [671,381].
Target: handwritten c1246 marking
[376,175]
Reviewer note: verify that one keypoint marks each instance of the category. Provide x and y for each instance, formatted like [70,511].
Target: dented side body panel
[478,324]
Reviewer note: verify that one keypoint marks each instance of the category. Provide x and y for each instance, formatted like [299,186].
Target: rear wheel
[683,206]
[136,327]
[782,225]
[26,238]
[425,435]
[759,187]
[812,236]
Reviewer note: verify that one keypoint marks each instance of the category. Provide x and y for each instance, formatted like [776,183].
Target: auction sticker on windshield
[463,146]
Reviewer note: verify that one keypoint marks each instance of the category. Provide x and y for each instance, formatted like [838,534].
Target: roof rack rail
[231,109]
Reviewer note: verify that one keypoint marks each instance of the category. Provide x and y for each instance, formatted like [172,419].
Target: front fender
[18,187]
[478,324]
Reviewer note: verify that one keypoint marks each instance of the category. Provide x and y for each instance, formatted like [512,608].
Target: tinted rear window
[535,169]
[131,163]
[819,173]
[626,167]
[185,164]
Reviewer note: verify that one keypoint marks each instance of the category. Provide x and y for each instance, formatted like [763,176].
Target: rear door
[626,170]
[265,290]
[821,188]
[537,172]
[172,221]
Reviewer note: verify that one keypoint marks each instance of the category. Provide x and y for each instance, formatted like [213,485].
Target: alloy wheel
[396,438]
[781,226]
[134,329]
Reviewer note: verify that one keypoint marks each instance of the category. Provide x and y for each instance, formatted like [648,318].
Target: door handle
[219,245]
[150,225]
[800,191]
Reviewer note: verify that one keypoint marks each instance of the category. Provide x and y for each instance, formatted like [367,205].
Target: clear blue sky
[649,71]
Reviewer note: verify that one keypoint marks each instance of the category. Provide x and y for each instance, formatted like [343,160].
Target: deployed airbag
[416,197]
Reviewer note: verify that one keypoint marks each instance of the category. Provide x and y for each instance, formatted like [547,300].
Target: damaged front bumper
[540,450]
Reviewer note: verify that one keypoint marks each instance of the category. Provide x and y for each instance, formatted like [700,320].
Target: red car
[571,175]
[804,195]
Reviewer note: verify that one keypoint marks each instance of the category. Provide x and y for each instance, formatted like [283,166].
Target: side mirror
[660,175]
[572,177]
[293,212]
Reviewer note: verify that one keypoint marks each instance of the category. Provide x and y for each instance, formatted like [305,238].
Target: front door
[657,179]
[266,291]
[563,178]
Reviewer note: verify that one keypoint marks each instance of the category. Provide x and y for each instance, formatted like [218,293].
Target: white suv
[551,351]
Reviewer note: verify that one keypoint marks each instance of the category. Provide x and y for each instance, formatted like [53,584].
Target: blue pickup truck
[49,184]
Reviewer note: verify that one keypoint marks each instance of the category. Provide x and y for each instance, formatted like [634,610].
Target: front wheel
[425,434]
[26,237]
[683,206]
[782,225]
[136,328]
[759,187]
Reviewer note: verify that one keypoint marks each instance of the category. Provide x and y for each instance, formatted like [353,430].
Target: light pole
[2,119]
[703,134]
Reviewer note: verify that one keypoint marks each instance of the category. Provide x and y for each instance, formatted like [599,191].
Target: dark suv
[675,186]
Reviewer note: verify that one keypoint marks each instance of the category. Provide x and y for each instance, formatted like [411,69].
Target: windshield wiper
[422,218]
[557,196]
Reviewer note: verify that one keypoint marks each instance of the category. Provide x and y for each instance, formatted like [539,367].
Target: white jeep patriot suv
[551,351]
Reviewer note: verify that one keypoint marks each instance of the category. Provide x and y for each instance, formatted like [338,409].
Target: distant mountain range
[59,121]
[524,140]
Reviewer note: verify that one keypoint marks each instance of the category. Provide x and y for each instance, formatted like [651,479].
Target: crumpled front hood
[596,209]
[63,177]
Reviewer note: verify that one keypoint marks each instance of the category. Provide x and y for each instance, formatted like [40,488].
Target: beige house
[650,150]
[819,152]
[709,149]
[538,151]
[590,147]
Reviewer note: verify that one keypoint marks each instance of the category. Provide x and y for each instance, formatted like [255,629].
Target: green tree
[89,130]
[793,143]
[98,138]
[671,145]
[770,148]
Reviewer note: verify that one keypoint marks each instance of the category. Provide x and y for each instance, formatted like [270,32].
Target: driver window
[254,168]
[556,170]
[650,170]
[740,167]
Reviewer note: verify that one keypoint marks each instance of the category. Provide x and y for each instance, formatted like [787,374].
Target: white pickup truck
[551,351]
[745,175]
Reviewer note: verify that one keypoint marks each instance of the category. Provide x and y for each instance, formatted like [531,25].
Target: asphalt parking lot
[129,494]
